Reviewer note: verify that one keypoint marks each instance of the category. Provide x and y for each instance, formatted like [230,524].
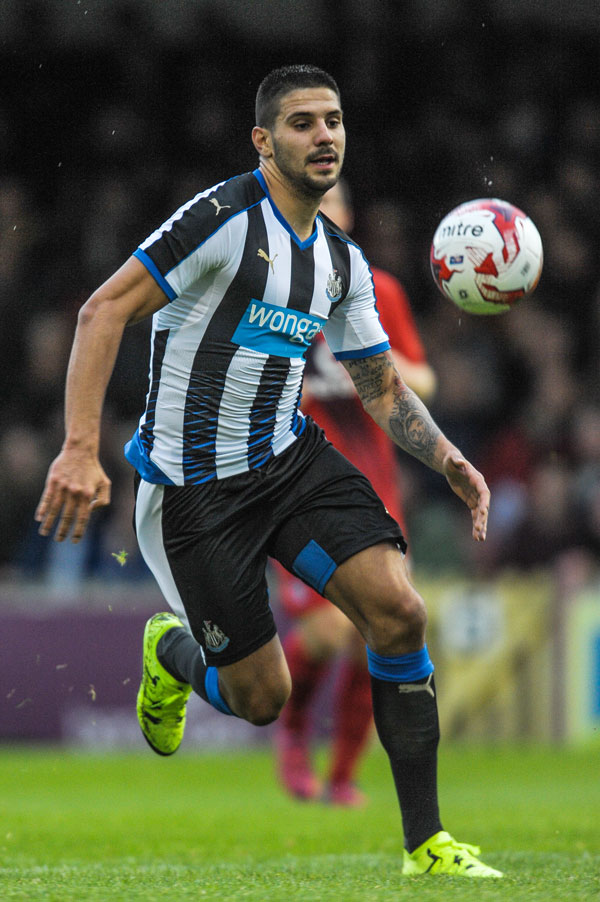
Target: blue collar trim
[301,244]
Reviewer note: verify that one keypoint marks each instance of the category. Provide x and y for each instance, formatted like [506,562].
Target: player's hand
[76,484]
[469,484]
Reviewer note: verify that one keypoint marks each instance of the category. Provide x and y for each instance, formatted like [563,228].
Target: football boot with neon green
[161,699]
[442,854]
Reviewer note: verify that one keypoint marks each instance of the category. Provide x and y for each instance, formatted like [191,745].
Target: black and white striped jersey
[246,299]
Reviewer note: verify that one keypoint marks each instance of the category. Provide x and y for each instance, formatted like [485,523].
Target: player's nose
[323,135]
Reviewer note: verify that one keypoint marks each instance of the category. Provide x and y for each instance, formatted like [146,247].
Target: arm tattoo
[395,407]
[412,427]
[367,373]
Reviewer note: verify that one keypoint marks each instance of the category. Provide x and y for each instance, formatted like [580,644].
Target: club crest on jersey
[215,638]
[334,286]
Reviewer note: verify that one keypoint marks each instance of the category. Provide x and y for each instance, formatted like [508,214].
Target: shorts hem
[368,542]
[222,660]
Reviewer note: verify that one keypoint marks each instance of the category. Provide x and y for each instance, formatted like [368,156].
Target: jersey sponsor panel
[276,330]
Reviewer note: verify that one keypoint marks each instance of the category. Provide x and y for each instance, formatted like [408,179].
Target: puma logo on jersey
[217,205]
[266,257]
[418,687]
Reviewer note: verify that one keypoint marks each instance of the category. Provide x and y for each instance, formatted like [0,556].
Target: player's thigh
[210,566]
[374,589]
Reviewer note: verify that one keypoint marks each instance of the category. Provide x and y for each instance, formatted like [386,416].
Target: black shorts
[207,545]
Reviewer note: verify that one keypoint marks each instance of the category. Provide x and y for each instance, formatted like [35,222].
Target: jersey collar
[278,215]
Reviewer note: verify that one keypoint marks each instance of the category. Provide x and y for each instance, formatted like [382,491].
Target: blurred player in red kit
[321,632]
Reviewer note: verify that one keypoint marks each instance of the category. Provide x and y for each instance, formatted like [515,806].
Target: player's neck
[298,210]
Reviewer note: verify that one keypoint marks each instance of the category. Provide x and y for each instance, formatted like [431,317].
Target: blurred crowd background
[112,114]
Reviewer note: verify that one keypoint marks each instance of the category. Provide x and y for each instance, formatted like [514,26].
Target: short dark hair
[283,80]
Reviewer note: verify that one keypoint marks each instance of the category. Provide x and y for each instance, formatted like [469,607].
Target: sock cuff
[400,669]
[213,693]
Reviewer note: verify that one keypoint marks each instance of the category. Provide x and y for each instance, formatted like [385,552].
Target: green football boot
[161,699]
[442,854]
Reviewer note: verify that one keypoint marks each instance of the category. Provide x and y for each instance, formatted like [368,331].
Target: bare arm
[406,420]
[418,376]
[76,482]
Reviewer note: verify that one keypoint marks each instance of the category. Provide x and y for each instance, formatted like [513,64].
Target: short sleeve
[190,244]
[354,329]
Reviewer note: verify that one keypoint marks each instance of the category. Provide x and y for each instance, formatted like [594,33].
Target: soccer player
[320,631]
[239,281]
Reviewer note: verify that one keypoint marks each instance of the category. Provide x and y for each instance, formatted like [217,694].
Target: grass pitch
[76,826]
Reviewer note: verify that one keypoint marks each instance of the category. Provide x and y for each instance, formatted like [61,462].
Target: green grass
[126,827]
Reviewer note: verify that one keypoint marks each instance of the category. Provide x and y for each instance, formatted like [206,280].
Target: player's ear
[261,138]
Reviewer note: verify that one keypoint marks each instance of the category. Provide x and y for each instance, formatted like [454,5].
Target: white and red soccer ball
[486,255]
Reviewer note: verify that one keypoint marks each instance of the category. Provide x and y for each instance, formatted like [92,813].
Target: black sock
[182,657]
[407,724]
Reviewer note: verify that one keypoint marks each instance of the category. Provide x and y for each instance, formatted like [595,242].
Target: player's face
[309,140]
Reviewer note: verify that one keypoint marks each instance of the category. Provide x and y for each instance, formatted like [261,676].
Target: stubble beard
[302,182]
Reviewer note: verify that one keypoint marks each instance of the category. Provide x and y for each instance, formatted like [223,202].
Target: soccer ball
[486,255]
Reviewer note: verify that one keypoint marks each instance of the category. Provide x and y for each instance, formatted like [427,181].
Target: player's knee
[398,624]
[263,711]
[261,705]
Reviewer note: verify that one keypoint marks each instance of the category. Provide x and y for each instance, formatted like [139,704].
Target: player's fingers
[479,529]
[470,485]
[480,518]
[40,511]
[102,497]
[69,514]
[46,500]
[48,510]
[85,505]
[82,515]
